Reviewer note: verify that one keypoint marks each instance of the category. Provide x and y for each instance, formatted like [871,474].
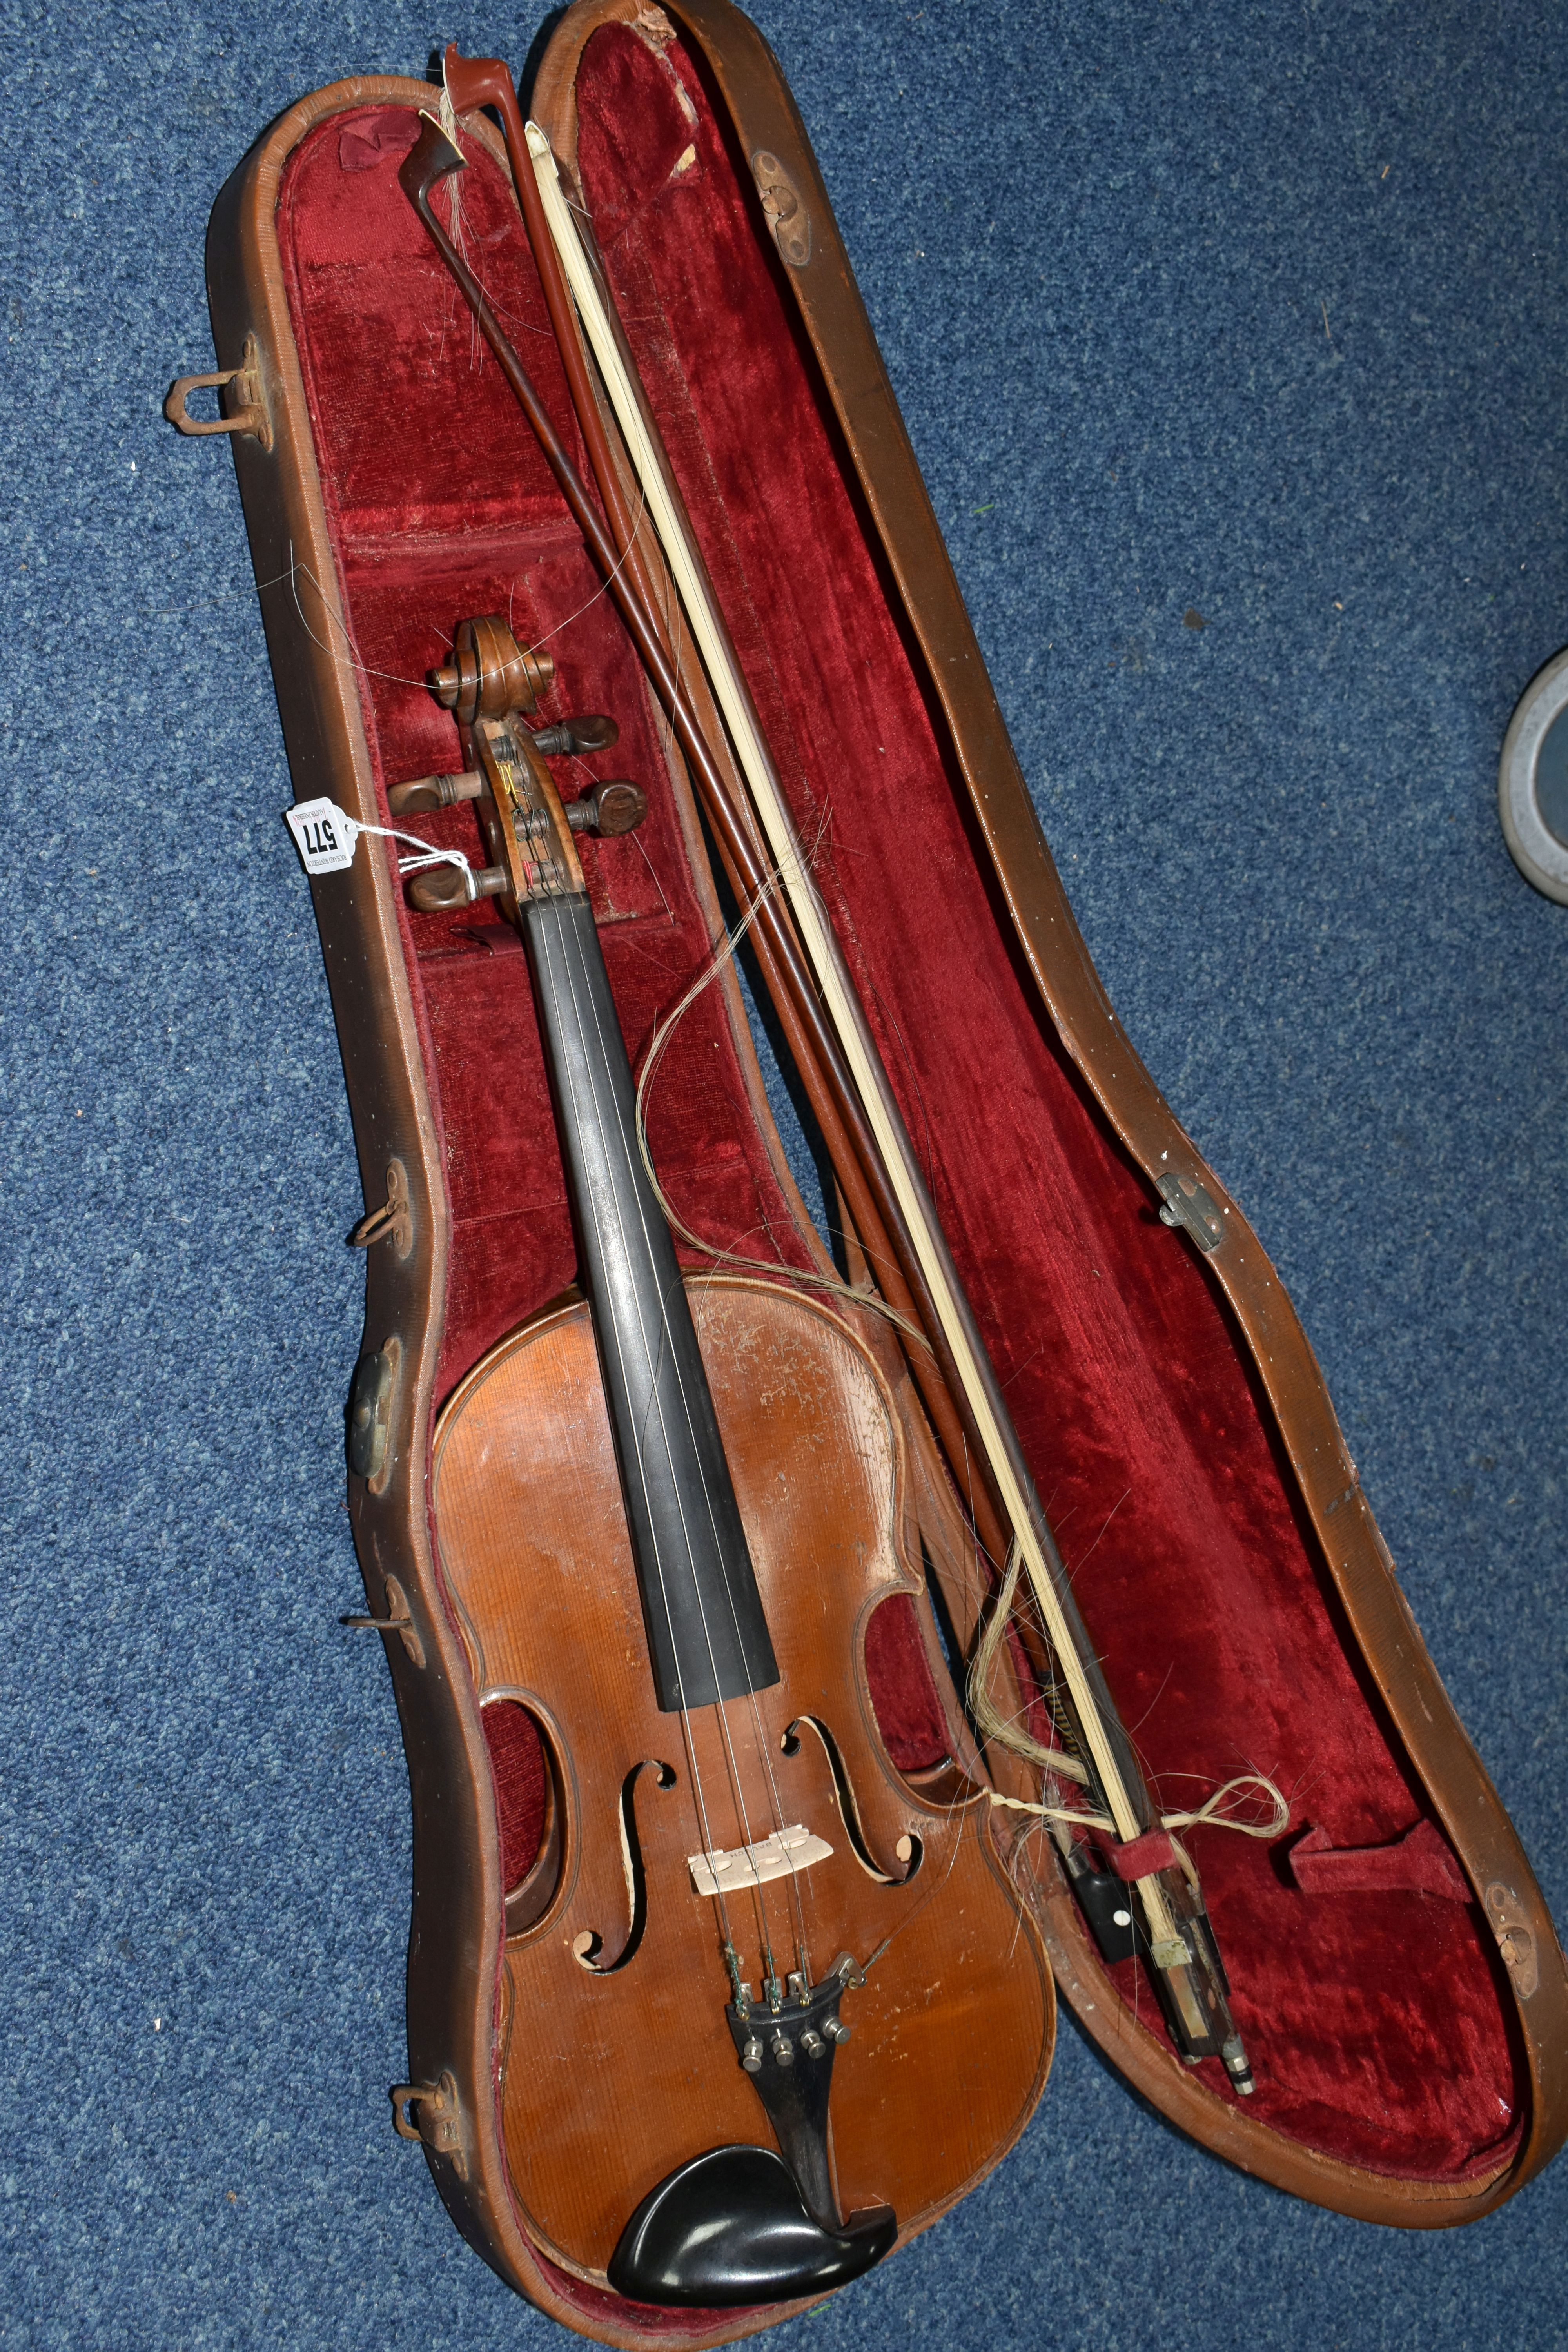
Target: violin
[767,2003]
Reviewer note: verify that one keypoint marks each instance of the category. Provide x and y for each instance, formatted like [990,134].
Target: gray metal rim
[1540,856]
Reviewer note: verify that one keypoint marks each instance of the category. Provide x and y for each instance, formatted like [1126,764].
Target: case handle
[437,2119]
[251,416]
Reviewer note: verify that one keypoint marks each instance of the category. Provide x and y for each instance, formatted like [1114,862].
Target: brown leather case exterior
[457,1920]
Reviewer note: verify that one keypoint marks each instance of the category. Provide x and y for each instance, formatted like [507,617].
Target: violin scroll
[490,674]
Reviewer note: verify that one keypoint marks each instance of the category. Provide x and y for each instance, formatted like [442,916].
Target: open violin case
[1392,1966]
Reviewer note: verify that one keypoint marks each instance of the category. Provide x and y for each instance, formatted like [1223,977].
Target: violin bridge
[779,1855]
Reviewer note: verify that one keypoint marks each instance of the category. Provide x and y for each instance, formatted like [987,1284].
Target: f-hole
[587,1948]
[849,1811]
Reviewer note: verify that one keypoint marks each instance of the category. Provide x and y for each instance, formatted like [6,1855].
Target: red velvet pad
[1373,2018]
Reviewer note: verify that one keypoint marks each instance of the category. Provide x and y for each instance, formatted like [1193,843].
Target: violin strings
[762,1744]
[345,661]
[553,985]
[673,617]
[350,659]
[759,1732]
[805,1277]
[688,1732]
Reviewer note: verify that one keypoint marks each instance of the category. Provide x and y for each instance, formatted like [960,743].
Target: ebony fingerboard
[707,1638]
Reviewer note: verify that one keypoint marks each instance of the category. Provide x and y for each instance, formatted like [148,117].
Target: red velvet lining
[520,1776]
[1375,2025]
[1379,2037]
[1142,1855]
[908,1713]
[1419,1863]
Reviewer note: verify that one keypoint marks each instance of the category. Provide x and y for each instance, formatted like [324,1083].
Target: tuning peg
[441,887]
[577,735]
[434,793]
[610,808]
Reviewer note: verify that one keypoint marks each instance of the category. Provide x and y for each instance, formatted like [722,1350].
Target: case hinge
[1192,1206]
[787,216]
[1515,1939]
[250,415]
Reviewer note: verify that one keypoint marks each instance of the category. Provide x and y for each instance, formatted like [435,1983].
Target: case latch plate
[370,1414]
[1192,1206]
[1516,1939]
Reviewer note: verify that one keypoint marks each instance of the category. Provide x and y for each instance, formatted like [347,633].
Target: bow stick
[821,997]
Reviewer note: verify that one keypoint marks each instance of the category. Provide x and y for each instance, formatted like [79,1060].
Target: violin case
[1393,1967]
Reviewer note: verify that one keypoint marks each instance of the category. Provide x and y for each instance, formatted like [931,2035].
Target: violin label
[778,1856]
[325,838]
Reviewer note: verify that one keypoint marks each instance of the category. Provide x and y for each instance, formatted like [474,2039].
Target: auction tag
[324,837]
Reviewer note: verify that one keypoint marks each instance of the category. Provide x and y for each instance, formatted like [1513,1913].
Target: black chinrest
[730,2227]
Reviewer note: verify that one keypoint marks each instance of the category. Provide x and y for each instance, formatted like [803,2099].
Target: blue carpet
[1257,312]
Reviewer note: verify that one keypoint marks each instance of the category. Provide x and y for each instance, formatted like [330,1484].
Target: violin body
[613,2060]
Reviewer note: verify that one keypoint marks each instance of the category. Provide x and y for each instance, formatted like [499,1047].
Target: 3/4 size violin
[766,2001]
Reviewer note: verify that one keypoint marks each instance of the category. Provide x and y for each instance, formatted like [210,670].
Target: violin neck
[707,1638]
